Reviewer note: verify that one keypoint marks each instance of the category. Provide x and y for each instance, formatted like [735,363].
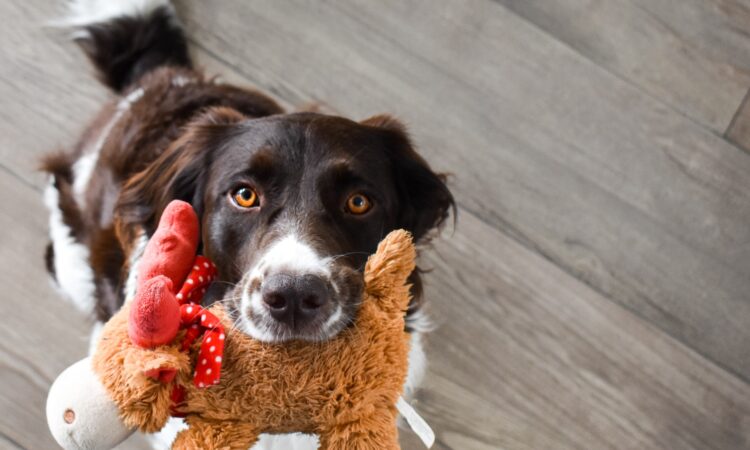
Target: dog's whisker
[226,301]
[227,283]
[333,258]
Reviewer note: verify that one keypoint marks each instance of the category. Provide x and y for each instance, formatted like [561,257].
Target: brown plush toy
[345,389]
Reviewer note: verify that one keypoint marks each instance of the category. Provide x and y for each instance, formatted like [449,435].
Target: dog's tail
[125,39]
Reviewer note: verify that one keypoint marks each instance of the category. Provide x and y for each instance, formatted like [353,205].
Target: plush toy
[163,354]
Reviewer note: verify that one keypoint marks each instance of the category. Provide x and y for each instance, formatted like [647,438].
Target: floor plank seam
[619,77]
[517,237]
[705,128]
[736,115]
[20,178]
[12,441]
[273,91]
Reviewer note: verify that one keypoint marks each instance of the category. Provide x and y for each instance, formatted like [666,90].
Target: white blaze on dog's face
[291,207]
[288,290]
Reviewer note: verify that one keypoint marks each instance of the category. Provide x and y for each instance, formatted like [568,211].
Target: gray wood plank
[692,54]
[42,333]
[739,130]
[7,444]
[640,202]
[45,88]
[527,357]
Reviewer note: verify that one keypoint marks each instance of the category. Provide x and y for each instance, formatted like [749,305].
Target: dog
[291,203]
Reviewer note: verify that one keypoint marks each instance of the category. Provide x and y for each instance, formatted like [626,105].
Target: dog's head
[291,206]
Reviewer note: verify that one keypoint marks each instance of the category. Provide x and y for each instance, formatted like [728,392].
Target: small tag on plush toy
[416,422]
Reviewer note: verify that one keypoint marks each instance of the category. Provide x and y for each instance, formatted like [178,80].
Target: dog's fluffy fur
[172,133]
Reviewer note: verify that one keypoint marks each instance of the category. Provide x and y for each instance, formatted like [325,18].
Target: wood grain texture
[526,357]
[739,130]
[46,89]
[617,188]
[692,54]
[601,264]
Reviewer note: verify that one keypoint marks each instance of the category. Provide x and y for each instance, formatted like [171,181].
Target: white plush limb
[80,414]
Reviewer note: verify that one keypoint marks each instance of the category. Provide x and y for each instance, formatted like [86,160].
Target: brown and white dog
[290,204]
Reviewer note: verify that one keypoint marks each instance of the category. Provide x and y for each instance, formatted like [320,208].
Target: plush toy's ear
[160,365]
[171,250]
[155,315]
[387,270]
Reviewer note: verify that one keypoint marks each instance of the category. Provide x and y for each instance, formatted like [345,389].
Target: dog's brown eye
[358,204]
[245,197]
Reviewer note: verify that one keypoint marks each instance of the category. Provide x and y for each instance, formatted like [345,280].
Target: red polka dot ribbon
[198,321]
[197,281]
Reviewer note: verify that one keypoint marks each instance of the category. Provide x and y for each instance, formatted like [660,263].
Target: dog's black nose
[294,299]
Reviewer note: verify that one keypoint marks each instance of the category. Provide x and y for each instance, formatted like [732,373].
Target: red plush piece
[171,250]
[166,262]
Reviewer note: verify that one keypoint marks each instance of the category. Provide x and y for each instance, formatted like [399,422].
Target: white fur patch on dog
[163,439]
[73,272]
[83,168]
[292,441]
[417,364]
[252,327]
[135,259]
[96,333]
[420,322]
[291,254]
[333,320]
[84,12]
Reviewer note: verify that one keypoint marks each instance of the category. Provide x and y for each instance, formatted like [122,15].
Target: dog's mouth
[292,293]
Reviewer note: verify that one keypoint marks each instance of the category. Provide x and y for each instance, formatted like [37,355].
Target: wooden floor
[595,293]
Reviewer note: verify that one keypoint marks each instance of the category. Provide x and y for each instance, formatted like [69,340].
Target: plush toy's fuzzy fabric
[344,389]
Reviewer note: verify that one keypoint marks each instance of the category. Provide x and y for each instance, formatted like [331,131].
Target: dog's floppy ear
[177,174]
[424,198]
